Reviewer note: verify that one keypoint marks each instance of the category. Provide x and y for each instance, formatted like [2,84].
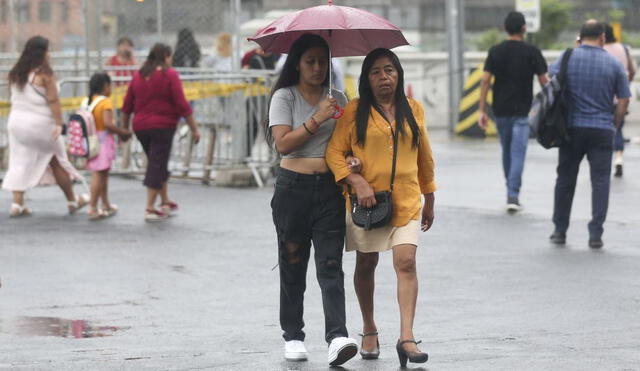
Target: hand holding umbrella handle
[339,110]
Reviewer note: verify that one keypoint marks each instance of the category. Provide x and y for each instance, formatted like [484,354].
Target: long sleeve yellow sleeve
[426,164]
[340,144]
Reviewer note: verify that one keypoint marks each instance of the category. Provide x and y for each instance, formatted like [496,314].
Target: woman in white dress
[36,151]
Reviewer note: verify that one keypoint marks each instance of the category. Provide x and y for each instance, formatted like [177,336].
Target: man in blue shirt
[594,77]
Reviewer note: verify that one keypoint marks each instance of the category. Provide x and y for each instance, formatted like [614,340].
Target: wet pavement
[199,293]
[51,326]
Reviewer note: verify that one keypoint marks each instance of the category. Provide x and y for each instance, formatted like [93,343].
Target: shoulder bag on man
[548,114]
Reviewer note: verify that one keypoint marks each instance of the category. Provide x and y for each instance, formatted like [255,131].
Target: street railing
[228,107]
[227,110]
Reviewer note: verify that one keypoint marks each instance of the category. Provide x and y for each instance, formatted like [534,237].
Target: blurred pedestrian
[307,204]
[262,60]
[623,54]
[99,103]
[594,78]
[222,60]
[246,58]
[123,60]
[187,52]
[156,99]
[37,154]
[514,63]
[337,73]
[386,132]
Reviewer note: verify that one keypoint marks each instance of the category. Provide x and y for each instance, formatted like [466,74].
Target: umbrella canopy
[348,31]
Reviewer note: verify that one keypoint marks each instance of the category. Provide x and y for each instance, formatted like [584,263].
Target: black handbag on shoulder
[548,114]
[380,214]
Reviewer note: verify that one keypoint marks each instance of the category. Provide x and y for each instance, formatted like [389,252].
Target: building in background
[60,21]
[148,21]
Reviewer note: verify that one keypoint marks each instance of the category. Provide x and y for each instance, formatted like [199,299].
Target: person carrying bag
[381,213]
[385,132]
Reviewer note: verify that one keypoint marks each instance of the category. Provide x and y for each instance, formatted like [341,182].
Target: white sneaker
[294,350]
[341,350]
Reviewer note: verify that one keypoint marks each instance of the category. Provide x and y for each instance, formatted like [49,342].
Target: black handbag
[380,214]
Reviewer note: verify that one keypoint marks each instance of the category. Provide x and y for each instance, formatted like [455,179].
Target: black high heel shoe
[414,357]
[374,354]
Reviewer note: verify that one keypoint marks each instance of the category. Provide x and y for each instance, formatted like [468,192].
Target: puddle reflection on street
[52,326]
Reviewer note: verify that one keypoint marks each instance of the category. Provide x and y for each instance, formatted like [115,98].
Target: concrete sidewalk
[198,292]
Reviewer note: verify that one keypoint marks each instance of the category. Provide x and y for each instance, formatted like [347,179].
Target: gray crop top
[288,107]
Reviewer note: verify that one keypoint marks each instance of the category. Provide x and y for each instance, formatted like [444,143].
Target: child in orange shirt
[103,113]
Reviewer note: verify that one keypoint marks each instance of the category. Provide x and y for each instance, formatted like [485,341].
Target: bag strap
[95,102]
[33,85]
[562,75]
[393,164]
[395,155]
[626,52]
[629,58]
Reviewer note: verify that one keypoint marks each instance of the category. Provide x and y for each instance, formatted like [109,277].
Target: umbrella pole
[339,110]
[330,74]
[330,63]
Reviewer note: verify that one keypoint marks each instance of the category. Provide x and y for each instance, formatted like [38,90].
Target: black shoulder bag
[548,115]
[380,214]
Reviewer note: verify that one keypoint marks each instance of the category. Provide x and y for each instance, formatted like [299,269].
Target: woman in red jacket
[156,99]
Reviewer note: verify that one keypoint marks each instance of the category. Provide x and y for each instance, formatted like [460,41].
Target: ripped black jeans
[309,208]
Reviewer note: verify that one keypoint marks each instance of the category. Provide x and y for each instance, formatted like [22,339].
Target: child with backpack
[101,107]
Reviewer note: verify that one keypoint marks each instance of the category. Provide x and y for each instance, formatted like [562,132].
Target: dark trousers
[309,208]
[597,145]
[619,139]
[156,144]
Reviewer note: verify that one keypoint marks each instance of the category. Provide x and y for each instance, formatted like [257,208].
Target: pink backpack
[82,139]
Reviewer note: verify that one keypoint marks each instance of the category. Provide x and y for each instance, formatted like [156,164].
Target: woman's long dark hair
[97,83]
[290,75]
[157,56]
[187,52]
[367,100]
[609,36]
[33,57]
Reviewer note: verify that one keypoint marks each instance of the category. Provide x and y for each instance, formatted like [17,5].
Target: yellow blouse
[414,166]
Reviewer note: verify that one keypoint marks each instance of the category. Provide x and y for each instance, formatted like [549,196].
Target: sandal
[95,214]
[17,210]
[170,208]
[153,215]
[80,202]
[370,354]
[110,211]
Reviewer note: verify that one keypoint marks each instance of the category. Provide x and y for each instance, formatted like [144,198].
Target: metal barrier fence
[228,108]
[426,74]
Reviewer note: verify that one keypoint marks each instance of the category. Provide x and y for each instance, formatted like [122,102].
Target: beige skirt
[380,239]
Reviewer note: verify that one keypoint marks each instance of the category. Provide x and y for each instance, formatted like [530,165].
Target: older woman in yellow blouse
[366,132]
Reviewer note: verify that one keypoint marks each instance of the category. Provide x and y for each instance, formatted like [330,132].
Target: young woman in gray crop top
[308,206]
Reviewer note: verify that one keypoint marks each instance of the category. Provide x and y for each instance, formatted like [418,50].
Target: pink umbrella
[348,31]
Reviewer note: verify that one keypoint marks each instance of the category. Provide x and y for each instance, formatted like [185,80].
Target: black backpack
[548,115]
